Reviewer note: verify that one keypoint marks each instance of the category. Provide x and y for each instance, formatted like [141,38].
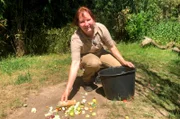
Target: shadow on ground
[79,83]
[165,92]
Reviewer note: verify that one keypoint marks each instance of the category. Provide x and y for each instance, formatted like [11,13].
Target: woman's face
[86,23]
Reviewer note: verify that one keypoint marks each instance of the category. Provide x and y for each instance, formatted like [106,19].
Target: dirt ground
[49,96]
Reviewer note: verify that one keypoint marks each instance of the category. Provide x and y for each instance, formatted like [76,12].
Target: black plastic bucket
[118,82]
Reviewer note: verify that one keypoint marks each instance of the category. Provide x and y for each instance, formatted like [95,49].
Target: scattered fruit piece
[33,110]
[83,101]
[87,115]
[86,108]
[57,117]
[124,100]
[83,112]
[94,100]
[126,117]
[25,105]
[94,114]
[71,113]
[63,108]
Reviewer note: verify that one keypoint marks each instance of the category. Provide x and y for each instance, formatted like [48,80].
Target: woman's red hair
[79,11]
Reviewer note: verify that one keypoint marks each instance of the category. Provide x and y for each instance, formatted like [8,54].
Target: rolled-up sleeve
[75,48]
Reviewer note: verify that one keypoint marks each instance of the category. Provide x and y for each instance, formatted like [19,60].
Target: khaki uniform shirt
[81,44]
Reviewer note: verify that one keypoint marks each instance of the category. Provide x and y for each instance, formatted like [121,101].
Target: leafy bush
[109,12]
[35,41]
[59,39]
[137,26]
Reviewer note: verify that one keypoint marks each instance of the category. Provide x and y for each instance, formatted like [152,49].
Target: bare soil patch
[138,108]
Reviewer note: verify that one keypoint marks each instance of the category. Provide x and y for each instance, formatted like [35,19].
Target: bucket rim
[133,70]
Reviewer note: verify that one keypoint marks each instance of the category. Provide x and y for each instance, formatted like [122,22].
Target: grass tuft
[26,78]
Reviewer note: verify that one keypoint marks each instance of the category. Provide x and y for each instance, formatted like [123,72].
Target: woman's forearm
[115,52]
[72,74]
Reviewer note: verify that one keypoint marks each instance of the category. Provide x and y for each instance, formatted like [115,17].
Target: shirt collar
[96,29]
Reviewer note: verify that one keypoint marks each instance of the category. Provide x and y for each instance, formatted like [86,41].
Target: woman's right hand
[65,95]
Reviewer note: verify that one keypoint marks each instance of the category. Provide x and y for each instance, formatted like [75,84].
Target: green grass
[156,70]
[11,65]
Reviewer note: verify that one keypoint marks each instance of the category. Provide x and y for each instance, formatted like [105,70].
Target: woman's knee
[91,60]
[109,60]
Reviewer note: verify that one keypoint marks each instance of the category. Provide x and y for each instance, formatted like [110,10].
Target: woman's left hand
[129,64]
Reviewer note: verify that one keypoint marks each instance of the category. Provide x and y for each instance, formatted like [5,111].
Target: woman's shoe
[89,87]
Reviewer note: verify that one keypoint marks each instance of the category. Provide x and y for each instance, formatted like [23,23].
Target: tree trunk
[19,45]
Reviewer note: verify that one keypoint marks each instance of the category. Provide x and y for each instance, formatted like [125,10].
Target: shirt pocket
[96,46]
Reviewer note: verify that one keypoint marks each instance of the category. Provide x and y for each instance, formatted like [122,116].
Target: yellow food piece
[87,115]
[94,114]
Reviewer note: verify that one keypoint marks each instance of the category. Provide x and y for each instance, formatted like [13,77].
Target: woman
[88,51]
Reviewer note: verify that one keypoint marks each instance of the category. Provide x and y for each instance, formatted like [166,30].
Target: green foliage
[2,6]
[4,47]
[165,31]
[33,19]
[108,12]
[147,20]
[35,41]
[170,8]
[23,79]
[59,39]
[137,26]
[54,40]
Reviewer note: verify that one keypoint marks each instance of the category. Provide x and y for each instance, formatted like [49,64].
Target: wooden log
[146,41]
[171,45]
[176,49]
